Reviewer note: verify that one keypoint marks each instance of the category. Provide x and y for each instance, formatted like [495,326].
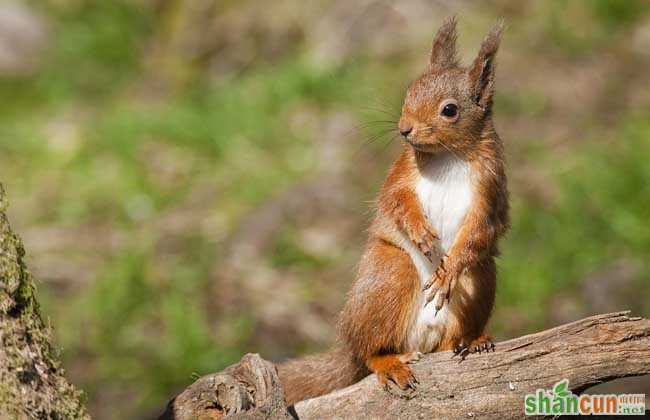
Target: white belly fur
[445,191]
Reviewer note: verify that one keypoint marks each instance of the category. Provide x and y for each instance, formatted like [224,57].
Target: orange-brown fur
[383,304]
[312,376]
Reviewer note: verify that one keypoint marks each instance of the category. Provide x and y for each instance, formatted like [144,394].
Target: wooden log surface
[487,385]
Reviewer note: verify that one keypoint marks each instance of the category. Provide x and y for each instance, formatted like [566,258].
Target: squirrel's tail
[312,376]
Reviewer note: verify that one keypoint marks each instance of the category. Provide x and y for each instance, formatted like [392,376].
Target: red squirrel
[427,279]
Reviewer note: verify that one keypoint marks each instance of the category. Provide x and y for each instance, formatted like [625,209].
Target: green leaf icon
[560,389]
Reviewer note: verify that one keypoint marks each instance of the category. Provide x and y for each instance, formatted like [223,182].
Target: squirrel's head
[449,106]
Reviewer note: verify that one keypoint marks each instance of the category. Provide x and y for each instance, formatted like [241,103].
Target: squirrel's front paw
[440,285]
[423,237]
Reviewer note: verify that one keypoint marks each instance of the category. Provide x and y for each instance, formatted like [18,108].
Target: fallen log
[488,385]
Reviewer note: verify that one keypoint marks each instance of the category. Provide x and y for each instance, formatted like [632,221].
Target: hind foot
[478,345]
[394,367]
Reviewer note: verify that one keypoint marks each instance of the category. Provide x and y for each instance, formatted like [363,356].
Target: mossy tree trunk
[32,381]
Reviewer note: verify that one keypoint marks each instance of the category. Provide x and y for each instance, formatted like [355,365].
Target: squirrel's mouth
[421,147]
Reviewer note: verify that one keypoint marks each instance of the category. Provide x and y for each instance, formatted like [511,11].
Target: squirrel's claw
[438,288]
[426,245]
[462,352]
[440,274]
[440,300]
[412,382]
[423,237]
[478,345]
[394,368]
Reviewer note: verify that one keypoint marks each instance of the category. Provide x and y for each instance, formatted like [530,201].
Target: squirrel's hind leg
[376,320]
[470,309]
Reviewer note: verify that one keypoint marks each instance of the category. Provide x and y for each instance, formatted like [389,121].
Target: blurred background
[193,179]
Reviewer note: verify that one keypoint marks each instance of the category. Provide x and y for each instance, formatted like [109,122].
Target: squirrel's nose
[405,129]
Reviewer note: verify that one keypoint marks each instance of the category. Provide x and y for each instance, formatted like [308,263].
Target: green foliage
[614,14]
[596,217]
[579,27]
[97,48]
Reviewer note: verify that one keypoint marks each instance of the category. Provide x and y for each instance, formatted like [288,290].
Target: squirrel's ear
[443,52]
[481,73]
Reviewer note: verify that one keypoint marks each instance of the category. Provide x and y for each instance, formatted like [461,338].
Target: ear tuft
[482,71]
[443,52]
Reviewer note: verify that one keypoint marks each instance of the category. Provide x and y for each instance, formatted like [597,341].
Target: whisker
[487,168]
[381,113]
[449,149]
[377,136]
[370,125]
[373,137]
[390,140]
[384,102]
[380,107]
[379,122]
[367,127]
[380,103]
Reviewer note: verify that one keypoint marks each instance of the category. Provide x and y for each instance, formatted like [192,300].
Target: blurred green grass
[598,216]
[84,144]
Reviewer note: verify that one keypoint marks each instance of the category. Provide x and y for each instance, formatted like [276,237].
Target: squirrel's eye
[449,110]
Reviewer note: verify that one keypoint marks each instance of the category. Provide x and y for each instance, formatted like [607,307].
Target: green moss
[26,344]
[25,296]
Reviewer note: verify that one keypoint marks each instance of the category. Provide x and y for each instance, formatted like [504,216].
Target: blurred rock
[23,37]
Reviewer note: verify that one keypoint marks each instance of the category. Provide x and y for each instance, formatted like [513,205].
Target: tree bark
[488,385]
[32,382]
